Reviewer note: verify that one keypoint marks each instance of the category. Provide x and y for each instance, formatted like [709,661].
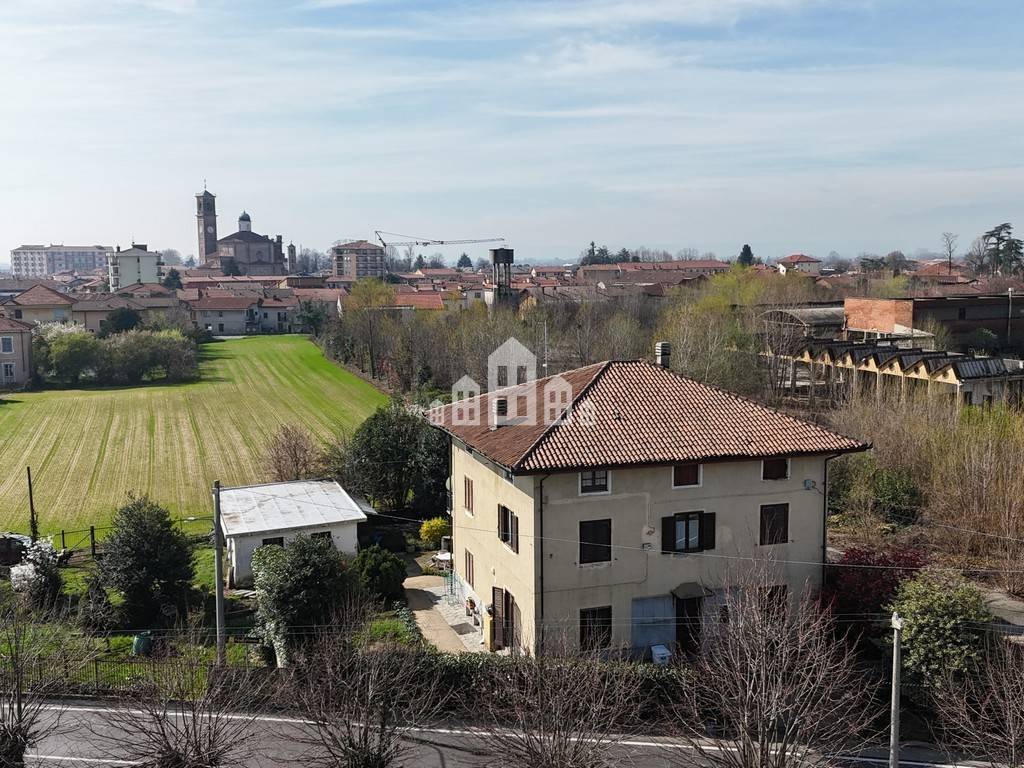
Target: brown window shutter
[498,617]
[707,530]
[515,533]
[668,534]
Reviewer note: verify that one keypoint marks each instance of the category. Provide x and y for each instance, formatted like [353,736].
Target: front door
[688,623]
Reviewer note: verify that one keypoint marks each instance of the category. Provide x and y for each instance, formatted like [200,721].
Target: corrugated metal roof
[284,506]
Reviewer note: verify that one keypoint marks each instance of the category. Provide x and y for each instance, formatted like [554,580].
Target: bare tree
[771,684]
[191,715]
[982,715]
[38,657]
[566,708]
[292,454]
[949,247]
[356,703]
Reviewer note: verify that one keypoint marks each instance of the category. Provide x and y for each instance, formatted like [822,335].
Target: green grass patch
[89,448]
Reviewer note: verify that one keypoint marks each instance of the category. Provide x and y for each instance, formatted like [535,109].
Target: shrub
[96,614]
[865,580]
[37,577]
[73,354]
[120,320]
[149,561]
[858,484]
[944,618]
[381,573]
[432,530]
[296,589]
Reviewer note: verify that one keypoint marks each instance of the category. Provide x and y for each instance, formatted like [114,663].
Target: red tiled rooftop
[41,296]
[642,414]
[799,258]
[14,326]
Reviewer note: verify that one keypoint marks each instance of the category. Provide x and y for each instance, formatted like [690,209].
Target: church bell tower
[206,221]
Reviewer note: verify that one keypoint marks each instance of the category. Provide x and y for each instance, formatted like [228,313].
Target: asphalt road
[76,742]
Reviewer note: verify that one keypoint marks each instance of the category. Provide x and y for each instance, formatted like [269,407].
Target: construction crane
[412,240]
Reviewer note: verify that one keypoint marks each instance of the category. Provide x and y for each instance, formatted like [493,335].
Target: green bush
[944,618]
[381,573]
[297,588]
[433,529]
[149,561]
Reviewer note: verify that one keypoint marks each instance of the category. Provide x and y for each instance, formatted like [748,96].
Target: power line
[740,558]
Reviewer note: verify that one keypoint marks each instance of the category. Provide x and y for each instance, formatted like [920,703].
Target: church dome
[244,217]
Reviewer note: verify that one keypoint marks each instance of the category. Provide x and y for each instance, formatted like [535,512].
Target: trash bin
[142,644]
[660,655]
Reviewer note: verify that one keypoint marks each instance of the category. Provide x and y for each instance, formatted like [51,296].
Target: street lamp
[894,728]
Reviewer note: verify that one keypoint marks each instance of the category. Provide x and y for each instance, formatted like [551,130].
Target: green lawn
[89,448]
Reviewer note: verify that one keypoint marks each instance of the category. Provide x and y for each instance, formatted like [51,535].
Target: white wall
[240,548]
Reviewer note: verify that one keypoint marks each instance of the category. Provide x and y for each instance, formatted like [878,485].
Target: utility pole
[218,577]
[33,523]
[894,728]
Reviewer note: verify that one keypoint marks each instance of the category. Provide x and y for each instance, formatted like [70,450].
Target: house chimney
[499,412]
[662,353]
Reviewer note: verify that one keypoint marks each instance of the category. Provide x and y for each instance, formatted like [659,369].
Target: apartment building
[618,510]
[359,259]
[133,265]
[44,260]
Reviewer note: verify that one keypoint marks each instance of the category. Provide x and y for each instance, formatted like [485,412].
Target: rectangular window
[774,524]
[685,474]
[467,494]
[520,374]
[688,532]
[775,469]
[276,541]
[595,628]
[322,535]
[8,370]
[594,481]
[502,375]
[469,570]
[508,528]
[595,541]
[6,344]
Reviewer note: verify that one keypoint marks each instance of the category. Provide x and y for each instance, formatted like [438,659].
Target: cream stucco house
[619,519]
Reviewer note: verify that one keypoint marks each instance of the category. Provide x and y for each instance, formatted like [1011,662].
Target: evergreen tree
[746,257]
[465,262]
[172,280]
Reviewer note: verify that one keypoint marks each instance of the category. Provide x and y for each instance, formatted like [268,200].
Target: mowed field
[89,448]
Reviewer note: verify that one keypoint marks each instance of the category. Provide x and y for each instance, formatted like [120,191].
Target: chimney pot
[499,412]
[662,353]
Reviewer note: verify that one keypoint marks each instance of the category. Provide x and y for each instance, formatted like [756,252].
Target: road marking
[465,732]
[100,760]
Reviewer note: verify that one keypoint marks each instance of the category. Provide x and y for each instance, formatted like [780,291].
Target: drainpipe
[540,548]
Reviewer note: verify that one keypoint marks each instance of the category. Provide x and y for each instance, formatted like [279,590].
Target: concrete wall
[241,548]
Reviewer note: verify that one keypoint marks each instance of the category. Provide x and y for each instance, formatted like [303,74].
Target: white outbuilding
[254,516]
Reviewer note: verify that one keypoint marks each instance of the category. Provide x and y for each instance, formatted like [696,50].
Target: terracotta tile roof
[41,296]
[224,302]
[642,414]
[320,294]
[12,325]
[357,245]
[421,300]
[799,258]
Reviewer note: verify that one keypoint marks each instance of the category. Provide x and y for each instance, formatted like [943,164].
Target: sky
[793,125]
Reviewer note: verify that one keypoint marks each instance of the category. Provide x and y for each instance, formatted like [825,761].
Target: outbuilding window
[774,524]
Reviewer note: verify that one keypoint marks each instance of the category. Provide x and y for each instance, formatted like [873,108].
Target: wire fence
[116,676]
